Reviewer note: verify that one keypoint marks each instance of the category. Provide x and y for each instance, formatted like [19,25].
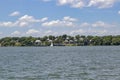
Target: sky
[57,17]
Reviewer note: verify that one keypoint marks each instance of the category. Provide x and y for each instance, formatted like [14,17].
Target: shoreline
[66,46]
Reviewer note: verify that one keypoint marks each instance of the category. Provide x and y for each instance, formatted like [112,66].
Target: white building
[38,42]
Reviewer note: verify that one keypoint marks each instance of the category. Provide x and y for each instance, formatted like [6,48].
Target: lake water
[60,63]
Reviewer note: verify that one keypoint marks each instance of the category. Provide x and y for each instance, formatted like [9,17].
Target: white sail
[51,44]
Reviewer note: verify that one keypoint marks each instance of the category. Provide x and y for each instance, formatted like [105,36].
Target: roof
[38,41]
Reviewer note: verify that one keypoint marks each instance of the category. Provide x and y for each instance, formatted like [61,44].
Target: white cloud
[7,24]
[27,18]
[68,18]
[98,24]
[16,13]
[46,0]
[16,33]
[52,23]
[99,32]
[32,32]
[72,3]
[102,3]
[75,32]
[37,33]
[58,23]
[66,21]
[44,19]
[23,21]
[49,32]
[89,32]
[88,3]
[85,24]
[23,24]
[118,12]
[102,24]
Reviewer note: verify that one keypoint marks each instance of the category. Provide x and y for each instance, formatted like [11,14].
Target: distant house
[50,41]
[66,41]
[38,42]
[69,42]
[81,39]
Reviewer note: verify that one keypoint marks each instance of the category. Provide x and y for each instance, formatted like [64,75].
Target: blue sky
[57,17]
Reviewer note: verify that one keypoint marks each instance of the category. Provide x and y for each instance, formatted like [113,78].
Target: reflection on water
[60,63]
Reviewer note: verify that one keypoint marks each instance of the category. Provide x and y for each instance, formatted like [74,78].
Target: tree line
[62,40]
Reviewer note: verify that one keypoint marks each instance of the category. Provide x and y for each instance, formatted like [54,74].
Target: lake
[60,63]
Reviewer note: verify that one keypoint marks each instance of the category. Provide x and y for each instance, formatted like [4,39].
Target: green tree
[107,40]
[96,41]
[116,41]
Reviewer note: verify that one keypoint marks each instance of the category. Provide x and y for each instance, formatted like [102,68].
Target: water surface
[60,63]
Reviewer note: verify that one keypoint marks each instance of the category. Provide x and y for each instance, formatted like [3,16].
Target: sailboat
[51,44]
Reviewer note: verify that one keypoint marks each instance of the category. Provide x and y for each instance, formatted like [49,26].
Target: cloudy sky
[57,17]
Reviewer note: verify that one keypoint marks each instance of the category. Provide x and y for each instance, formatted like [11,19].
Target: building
[38,42]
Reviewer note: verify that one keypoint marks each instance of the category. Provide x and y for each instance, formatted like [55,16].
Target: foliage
[61,40]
